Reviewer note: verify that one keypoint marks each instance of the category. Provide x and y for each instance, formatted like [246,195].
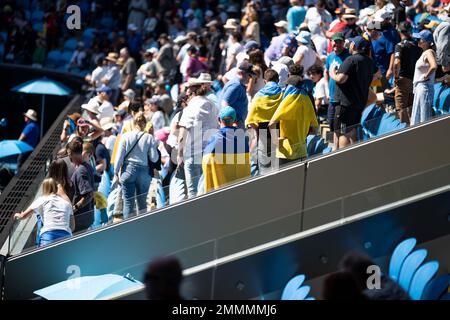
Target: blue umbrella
[90,288]
[13,147]
[43,86]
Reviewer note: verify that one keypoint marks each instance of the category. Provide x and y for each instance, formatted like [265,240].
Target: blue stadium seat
[107,22]
[38,27]
[421,278]
[327,150]
[436,288]
[70,44]
[444,101]
[53,59]
[410,266]
[3,35]
[37,16]
[399,255]
[65,58]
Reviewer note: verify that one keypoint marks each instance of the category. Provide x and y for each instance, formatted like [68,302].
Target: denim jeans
[192,173]
[51,236]
[135,182]
[423,102]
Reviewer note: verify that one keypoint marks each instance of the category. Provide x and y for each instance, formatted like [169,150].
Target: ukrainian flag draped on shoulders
[226,158]
[296,115]
[264,103]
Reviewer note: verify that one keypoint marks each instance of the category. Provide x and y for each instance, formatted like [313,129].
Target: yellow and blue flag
[226,158]
[296,115]
[264,103]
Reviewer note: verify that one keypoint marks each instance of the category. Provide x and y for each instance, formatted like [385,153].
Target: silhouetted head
[341,285]
[163,279]
[356,264]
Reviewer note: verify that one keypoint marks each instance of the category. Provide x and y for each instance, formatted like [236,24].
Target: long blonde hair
[49,187]
[140,121]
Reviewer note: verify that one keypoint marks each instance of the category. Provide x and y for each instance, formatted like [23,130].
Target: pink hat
[162,134]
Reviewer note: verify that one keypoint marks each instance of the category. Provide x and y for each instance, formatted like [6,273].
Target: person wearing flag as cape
[296,118]
[264,105]
[226,157]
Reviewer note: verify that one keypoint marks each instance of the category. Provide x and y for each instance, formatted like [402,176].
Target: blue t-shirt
[337,60]
[234,93]
[295,17]
[382,50]
[31,133]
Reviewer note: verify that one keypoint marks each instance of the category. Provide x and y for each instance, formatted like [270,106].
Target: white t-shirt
[200,119]
[158,120]
[109,143]
[314,19]
[234,49]
[309,56]
[321,91]
[55,212]
[106,110]
[321,44]
[97,75]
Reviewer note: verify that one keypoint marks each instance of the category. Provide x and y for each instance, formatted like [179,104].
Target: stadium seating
[441,101]
[53,59]
[70,44]
[375,122]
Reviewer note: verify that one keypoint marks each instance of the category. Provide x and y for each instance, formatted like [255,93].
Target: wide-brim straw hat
[31,114]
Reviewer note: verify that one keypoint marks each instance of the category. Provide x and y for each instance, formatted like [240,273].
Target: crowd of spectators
[197,94]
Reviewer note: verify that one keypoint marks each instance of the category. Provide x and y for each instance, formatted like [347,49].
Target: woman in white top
[136,149]
[55,211]
[424,76]
[305,55]
[158,118]
[198,123]
[233,50]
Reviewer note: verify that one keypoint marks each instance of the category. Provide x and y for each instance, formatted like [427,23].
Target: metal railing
[24,186]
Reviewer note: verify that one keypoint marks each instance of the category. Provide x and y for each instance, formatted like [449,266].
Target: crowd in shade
[350,282]
[188,96]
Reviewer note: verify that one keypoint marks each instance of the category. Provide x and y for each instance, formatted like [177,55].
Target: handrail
[22,188]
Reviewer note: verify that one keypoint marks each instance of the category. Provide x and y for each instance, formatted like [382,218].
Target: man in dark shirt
[406,54]
[353,79]
[102,157]
[83,183]
[214,52]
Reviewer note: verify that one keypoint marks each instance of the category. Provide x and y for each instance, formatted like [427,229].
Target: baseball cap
[281,24]
[154,100]
[286,60]
[338,36]
[360,43]
[121,113]
[250,45]
[82,123]
[105,89]
[425,35]
[227,113]
[246,67]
